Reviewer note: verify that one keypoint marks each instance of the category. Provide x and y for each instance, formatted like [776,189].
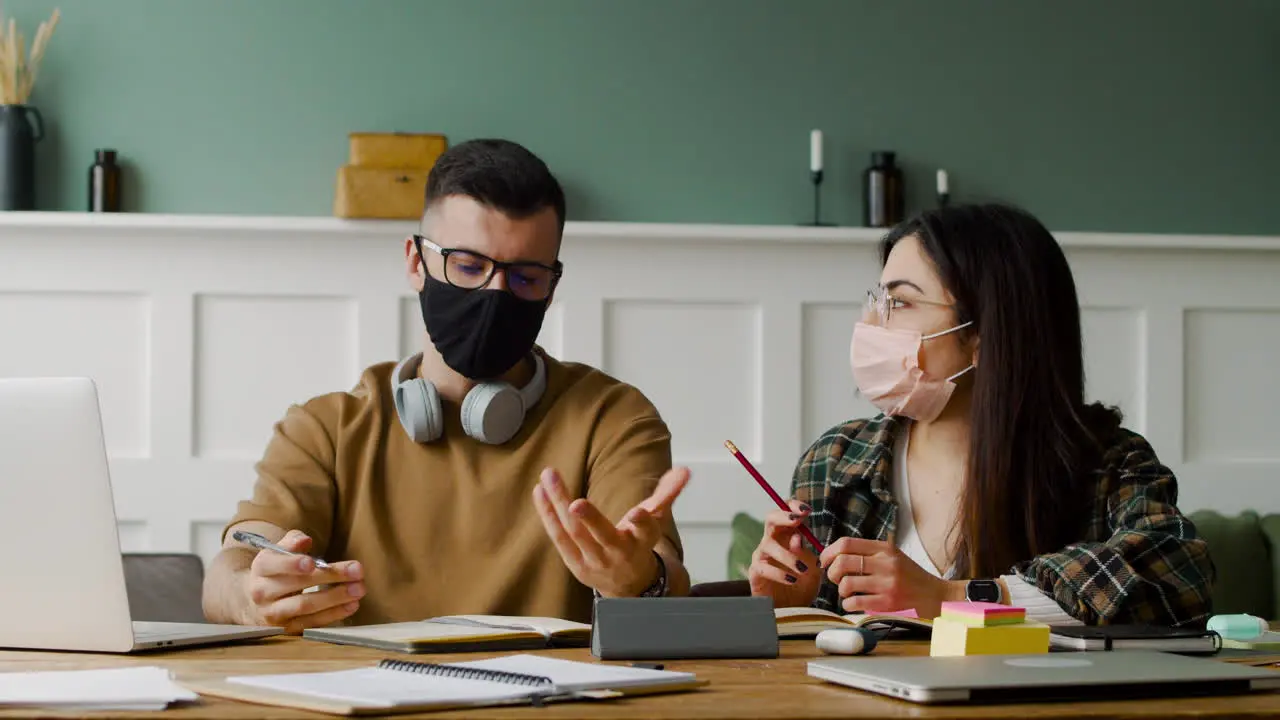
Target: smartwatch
[982,591]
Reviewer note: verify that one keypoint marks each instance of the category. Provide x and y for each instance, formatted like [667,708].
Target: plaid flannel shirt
[1138,560]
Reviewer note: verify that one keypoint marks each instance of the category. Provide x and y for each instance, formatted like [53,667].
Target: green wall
[1133,115]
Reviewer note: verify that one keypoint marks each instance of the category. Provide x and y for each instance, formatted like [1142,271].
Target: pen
[804,530]
[262,543]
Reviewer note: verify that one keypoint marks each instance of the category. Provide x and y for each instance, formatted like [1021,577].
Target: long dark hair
[1033,441]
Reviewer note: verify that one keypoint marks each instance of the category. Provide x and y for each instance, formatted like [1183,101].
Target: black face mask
[479,333]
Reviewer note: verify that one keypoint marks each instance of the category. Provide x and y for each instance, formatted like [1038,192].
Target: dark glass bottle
[21,127]
[883,201]
[104,182]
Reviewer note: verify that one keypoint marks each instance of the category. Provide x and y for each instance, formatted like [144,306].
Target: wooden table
[739,689]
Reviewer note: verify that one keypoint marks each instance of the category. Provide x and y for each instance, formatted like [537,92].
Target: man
[479,477]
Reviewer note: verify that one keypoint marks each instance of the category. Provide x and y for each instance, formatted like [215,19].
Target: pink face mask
[886,367]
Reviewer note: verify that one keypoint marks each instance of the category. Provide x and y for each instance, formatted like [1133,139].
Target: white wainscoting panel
[1114,352]
[715,346]
[103,335]
[135,536]
[1233,377]
[206,538]
[201,330]
[830,394]
[258,354]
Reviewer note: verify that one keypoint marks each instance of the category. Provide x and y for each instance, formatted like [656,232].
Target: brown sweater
[450,527]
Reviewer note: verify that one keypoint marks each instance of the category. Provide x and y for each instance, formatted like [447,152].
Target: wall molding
[297,227]
[193,325]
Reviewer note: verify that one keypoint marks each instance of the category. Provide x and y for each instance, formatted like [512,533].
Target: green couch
[1245,550]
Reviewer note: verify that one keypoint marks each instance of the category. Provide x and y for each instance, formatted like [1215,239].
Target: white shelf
[288,226]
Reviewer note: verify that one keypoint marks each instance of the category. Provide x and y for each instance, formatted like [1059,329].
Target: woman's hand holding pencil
[782,567]
[773,495]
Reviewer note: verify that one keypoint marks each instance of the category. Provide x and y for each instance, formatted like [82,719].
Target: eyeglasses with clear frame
[881,303]
[471,271]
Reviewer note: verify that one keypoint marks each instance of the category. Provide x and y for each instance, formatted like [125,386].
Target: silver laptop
[63,578]
[1072,676]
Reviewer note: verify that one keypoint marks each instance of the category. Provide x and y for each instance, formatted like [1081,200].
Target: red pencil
[804,530]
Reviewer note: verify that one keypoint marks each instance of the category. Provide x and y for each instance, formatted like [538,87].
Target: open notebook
[809,621]
[401,686]
[460,633]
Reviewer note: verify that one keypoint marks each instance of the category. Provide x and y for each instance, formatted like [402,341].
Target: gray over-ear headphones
[492,412]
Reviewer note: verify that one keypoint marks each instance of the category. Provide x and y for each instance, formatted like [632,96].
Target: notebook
[460,633]
[132,688]
[808,621]
[1134,637]
[401,686]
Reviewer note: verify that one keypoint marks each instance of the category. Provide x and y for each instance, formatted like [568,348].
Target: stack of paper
[974,628]
[133,688]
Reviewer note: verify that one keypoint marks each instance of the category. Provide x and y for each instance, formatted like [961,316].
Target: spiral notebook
[402,686]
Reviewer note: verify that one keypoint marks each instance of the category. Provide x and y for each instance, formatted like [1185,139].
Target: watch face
[983,591]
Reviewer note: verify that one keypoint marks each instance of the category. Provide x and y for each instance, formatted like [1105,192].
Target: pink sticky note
[981,608]
[911,613]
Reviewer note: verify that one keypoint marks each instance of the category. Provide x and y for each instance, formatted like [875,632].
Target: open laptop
[1074,676]
[63,577]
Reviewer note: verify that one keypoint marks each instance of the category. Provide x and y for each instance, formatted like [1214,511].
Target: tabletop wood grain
[778,689]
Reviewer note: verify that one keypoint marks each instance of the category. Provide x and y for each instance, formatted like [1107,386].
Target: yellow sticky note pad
[952,637]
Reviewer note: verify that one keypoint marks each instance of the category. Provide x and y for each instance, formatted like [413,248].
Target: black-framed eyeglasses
[471,271]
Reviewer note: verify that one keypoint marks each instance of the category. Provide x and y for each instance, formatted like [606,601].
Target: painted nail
[793,516]
[801,566]
[805,508]
[791,579]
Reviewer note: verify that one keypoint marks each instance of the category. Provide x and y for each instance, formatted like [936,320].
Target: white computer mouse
[846,641]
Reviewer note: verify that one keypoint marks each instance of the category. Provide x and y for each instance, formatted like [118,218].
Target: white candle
[815,150]
[942,182]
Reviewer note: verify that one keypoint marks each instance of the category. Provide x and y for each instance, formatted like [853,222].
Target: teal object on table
[1238,627]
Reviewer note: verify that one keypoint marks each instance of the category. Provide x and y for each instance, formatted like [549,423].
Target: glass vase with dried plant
[21,125]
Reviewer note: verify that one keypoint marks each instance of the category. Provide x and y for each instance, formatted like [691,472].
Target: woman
[987,477]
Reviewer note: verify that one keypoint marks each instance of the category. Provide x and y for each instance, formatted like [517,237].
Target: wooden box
[396,150]
[376,192]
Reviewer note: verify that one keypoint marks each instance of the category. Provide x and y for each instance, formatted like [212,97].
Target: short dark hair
[499,174]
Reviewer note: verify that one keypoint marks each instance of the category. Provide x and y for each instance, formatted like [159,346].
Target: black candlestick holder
[816,177]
